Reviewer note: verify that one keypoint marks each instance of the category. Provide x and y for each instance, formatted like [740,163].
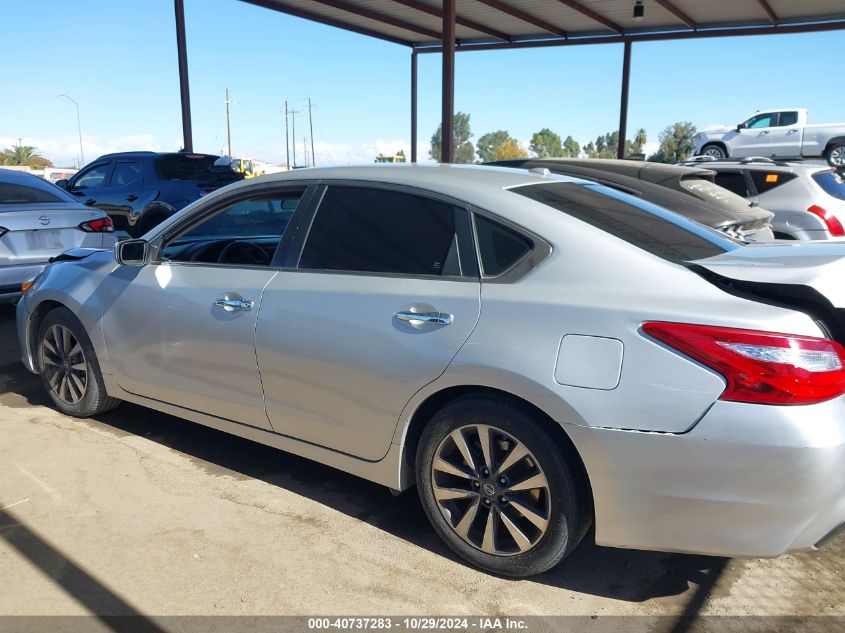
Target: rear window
[11,193]
[646,226]
[832,183]
[767,180]
[716,193]
[184,167]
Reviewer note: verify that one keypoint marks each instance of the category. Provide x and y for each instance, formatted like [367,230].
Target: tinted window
[126,173]
[371,230]
[832,183]
[499,247]
[767,180]
[21,194]
[761,120]
[788,118]
[92,178]
[644,225]
[733,181]
[245,233]
[184,166]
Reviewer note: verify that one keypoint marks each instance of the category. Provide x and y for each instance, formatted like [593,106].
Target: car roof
[760,165]
[642,170]
[141,154]
[15,177]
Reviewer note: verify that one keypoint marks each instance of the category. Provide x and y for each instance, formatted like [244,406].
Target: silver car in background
[534,353]
[39,221]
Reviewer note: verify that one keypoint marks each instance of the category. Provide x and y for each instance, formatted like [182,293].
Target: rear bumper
[747,480]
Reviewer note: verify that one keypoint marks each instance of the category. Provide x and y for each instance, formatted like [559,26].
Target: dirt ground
[142,513]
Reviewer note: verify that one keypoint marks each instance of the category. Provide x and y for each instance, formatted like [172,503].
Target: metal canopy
[505,23]
[450,26]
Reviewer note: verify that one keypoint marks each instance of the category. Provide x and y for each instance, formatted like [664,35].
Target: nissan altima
[536,354]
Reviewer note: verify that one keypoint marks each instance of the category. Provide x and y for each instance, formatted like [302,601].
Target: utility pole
[305,149]
[287,138]
[228,126]
[311,127]
[78,129]
[293,133]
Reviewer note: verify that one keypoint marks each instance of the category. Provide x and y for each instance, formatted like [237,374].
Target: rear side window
[184,166]
[832,183]
[646,226]
[733,181]
[379,231]
[788,118]
[767,180]
[499,247]
[126,173]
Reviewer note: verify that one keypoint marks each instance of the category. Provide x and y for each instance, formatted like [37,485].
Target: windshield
[711,192]
[645,225]
[832,183]
[34,192]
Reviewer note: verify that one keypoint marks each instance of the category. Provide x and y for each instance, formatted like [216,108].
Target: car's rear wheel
[499,489]
[714,151]
[835,155]
[69,368]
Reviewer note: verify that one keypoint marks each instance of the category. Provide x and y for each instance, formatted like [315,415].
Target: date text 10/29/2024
[418,624]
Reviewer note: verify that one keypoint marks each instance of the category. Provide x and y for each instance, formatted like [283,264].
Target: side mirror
[131,252]
[61,184]
[741,126]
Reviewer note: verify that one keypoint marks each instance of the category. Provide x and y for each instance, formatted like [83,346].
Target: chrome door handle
[792,131]
[763,133]
[436,318]
[234,305]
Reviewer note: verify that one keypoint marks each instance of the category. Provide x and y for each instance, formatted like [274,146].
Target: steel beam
[683,17]
[470,24]
[184,88]
[595,17]
[623,105]
[770,13]
[413,106]
[447,126]
[379,17]
[525,17]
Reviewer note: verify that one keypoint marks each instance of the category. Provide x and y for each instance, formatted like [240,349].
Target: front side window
[761,120]
[246,233]
[92,178]
[126,173]
[360,229]
[644,225]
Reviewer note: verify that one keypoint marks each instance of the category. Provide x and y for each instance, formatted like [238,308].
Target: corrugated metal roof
[418,23]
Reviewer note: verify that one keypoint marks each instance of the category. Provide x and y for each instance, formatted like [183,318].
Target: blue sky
[118,60]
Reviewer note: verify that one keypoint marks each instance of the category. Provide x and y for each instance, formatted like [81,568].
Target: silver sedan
[534,353]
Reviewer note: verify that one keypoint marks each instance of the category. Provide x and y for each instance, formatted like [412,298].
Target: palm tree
[23,155]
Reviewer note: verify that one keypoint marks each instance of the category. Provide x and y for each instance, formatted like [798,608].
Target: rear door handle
[234,305]
[131,198]
[763,133]
[435,318]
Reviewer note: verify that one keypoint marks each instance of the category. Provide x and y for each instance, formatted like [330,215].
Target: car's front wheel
[69,368]
[714,151]
[499,490]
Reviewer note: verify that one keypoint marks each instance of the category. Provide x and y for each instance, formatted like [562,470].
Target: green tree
[640,140]
[607,145]
[675,143]
[464,150]
[25,155]
[570,149]
[546,144]
[487,144]
[508,150]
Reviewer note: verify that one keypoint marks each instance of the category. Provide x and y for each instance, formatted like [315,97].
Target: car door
[785,138]
[753,139]
[380,297]
[181,329]
[88,184]
[120,196]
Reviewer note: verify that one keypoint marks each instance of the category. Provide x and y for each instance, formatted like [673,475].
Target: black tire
[835,155]
[715,148]
[568,502]
[93,398]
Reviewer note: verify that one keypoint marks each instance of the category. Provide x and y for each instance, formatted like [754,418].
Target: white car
[780,133]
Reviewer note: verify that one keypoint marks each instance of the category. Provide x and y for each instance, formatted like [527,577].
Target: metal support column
[623,106]
[184,90]
[413,106]
[447,146]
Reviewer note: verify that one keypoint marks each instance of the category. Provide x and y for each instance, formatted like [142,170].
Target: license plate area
[45,239]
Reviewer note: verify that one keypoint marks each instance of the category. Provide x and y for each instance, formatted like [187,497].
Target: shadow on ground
[618,574]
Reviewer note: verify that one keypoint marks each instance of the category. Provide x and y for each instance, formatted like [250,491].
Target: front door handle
[131,198]
[435,318]
[763,133]
[234,305]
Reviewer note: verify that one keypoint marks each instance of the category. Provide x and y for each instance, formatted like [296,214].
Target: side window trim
[248,194]
[463,228]
[540,250]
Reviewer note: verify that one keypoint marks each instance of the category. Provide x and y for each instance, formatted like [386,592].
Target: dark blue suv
[141,189]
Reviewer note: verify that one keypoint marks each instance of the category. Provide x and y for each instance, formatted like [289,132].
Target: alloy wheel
[64,364]
[491,490]
[837,156]
[715,152]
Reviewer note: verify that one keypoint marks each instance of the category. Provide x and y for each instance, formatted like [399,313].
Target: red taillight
[831,221]
[100,225]
[761,367]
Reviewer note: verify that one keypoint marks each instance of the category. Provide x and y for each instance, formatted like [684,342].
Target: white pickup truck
[780,133]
